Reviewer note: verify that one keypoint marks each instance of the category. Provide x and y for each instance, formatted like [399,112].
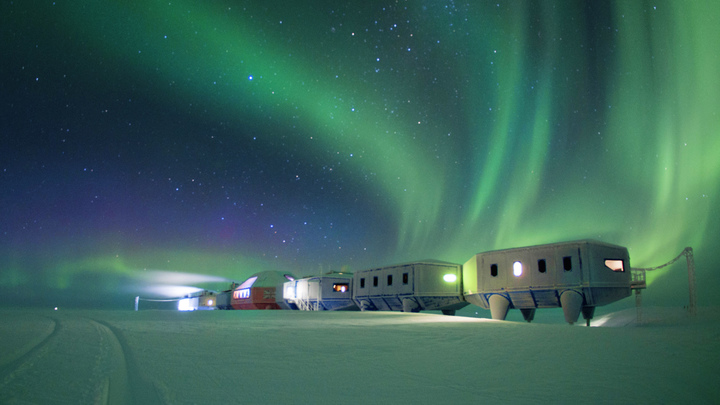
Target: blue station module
[329,292]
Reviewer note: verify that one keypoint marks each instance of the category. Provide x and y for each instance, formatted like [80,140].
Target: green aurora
[436,130]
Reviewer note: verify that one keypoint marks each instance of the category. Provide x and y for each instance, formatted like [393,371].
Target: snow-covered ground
[275,357]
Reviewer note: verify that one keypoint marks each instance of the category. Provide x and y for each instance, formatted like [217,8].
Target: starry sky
[176,143]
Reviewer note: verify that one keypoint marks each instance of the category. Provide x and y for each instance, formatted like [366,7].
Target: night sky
[145,140]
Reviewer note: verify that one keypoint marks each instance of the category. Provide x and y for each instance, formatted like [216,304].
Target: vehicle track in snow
[71,359]
[114,388]
[126,384]
[26,354]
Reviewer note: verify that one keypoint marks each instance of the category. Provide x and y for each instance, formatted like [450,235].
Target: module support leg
[692,306]
[638,305]
[588,313]
[528,313]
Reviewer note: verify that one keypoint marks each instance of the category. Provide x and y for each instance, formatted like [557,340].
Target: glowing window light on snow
[517,269]
[450,278]
[615,264]
[185,304]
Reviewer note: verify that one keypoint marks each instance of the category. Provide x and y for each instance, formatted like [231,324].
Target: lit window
[341,287]
[241,294]
[517,269]
[209,303]
[567,263]
[615,264]
[493,270]
[450,278]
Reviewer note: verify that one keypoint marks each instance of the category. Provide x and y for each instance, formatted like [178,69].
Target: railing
[307,305]
[688,253]
[638,279]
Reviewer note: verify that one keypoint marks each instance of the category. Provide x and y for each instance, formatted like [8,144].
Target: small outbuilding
[205,300]
[330,292]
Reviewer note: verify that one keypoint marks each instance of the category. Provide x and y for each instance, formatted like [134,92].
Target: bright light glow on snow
[450,278]
[517,269]
[185,304]
[210,303]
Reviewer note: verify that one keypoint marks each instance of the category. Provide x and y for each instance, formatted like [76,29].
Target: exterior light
[450,278]
[185,304]
[517,269]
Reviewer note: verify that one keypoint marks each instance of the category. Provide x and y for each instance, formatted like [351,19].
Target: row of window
[241,294]
[542,267]
[405,280]
[617,265]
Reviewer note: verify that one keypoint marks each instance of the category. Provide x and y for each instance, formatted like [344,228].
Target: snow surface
[275,357]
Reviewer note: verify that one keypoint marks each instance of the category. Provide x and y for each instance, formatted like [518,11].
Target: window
[362,282]
[542,267]
[493,270]
[567,263]
[241,294]
[389,279]
[615,264]
[517,269]
[375,281]
[405,278]
[341,287]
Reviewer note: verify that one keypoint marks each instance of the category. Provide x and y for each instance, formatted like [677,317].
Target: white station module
[576,276]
